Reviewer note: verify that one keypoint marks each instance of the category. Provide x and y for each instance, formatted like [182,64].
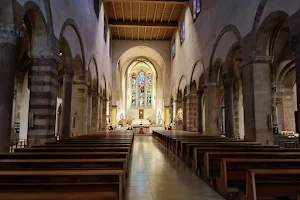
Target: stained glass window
[196,8]
[105,28]
[149,89]
[133,91]
[173,48]
[141,88]
[182,31]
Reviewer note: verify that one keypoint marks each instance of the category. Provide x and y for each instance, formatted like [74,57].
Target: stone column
[66,105]
[95,116]
[285,107]
[228,101]
[184,108]
[89,110]
[257,98]
[296,49]
[191,112]
[212,109]
[9,35]
[104,108]
[100,112]
[200,113]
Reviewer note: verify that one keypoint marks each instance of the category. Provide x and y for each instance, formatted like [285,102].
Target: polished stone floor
[157,174]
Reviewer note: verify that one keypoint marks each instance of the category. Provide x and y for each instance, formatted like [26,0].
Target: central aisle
[157,174]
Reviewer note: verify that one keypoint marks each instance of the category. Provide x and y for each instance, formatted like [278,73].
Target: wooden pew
[74,149]
[212,160]
[198,155]
[271,183]
[233,171]
[97,180]
[50,194]
[183,145]
[182,150]
[65,164]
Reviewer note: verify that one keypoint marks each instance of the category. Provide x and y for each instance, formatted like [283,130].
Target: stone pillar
[184,108]
[285,107]
[200,113]
[257,98]
[228,101]
[104,108]
[9,35]
[191,112]
[100,112]
[89,110]
[296,49]
[66,105]
[212,109]
[95,116]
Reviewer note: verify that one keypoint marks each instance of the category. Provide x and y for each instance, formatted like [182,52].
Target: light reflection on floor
[157,174]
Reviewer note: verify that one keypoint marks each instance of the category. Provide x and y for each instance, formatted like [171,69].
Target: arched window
[196,8]
[141,85]
[149,89]
[141,88]
[133,85]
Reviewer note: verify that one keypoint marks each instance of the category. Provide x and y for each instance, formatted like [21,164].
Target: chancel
[149,99]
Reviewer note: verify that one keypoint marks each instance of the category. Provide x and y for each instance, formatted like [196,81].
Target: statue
[159,117]
[121,116]
[179,119]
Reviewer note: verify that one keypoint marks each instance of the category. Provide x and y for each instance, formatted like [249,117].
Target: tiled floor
[157,174]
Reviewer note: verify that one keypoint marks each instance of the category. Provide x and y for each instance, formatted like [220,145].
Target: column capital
[227,78]
[9,34]
[256,59]
[47,54]
[191,95]
[211,84]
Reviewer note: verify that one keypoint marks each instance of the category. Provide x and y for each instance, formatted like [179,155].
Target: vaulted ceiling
[143,19]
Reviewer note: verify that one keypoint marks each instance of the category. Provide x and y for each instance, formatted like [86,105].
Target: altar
[139,125]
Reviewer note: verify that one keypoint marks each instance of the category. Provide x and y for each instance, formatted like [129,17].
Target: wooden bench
[65,164]
[212,160]
[182,150]
[74,149]
[183,145]
[274,183]
[233,171]
[85,180]
[198,155]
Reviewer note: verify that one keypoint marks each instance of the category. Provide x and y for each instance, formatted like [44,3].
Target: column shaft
[228,101]
[212,109]
[191,112]
[8,37]
[66,105]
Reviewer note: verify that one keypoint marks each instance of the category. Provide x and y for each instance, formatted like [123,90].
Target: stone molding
[256,59]
[48,55]
[9,34]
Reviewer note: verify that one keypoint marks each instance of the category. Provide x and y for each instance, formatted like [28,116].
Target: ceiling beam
[115,13]
[171,13]
[118,32]
[171,25]
[163,13]
[139,18]
[157,36]
[147,12]
[182,2]
[151,34]
[155,12]
[165,34]
[123,14]
[131,11]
